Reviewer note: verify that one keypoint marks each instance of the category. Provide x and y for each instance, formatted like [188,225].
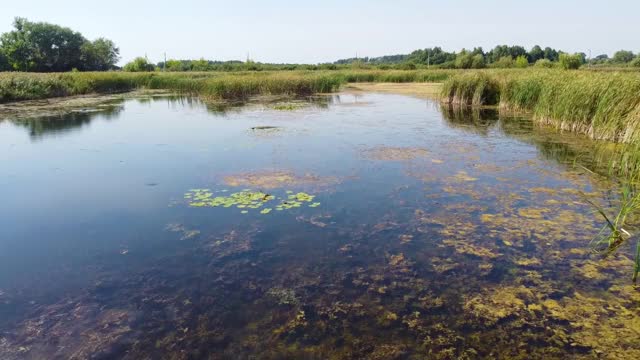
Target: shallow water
[377,226]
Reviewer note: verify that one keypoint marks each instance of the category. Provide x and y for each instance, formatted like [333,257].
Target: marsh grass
[214,85]
[603,105]
[613,233]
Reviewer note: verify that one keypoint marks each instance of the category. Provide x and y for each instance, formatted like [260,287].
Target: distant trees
[44,47]
[470,59]
[99,55]
[622,57]
[139,64]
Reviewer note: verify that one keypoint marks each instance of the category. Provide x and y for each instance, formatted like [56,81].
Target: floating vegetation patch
[385,153]
[248,199]
[288,106]
[276,179]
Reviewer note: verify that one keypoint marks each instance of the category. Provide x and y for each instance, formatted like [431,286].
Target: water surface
[394,229]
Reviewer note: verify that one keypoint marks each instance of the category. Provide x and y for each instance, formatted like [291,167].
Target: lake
[346,226]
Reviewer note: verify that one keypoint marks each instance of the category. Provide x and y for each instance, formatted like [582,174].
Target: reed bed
[602,105]
[218,85]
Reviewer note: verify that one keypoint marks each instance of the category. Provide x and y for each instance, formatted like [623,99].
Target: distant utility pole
[164,65]
[428,59]
[589,57]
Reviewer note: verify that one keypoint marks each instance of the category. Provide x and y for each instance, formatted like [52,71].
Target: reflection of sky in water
[81,191]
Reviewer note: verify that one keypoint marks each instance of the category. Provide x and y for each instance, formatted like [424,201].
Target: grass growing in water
[215,85]
[602,105]
[613,234]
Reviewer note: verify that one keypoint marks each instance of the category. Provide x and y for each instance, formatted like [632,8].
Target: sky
[286,31]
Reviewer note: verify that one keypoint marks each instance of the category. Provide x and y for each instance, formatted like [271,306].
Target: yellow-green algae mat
[249,200]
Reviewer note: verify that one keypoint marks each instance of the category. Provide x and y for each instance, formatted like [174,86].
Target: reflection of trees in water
[222,108]
[40,127]
[562,147]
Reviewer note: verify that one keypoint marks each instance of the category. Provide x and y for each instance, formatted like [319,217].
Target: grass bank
[602,105]
[216,85]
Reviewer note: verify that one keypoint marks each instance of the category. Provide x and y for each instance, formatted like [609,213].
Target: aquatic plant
[613,233]
[248,200]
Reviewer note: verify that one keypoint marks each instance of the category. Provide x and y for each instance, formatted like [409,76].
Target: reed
[602,105]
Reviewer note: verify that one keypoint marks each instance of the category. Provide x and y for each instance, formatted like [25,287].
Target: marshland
[440,205]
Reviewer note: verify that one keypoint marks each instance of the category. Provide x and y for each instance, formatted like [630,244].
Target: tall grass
[601,105]
[219,85]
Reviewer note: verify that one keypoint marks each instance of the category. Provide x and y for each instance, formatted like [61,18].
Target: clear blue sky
[295,31]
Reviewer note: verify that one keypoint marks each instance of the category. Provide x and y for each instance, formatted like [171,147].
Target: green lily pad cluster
[248,199]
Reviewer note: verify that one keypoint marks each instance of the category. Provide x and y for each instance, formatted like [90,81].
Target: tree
[570,62]
[99,55]
[545,63]
[139,64]
[623,56]
[4,62]
[601,59]
[521,62]
[42,46]
[536,53]
[478,61]
[470,60]
[551,54]
[464,59]
[200,65]
[504,62]
[635,62]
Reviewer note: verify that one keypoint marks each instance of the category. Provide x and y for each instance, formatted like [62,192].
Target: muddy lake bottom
[348,226]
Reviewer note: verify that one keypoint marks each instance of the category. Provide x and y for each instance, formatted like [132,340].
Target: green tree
[40,46]
[570,62]
[173,65]
[99,55]
[478,61]
[504,62]
[635,62]
[545,63]
[464,60]
[139,64]
[200,65]
[623,56]
[521,62]
[536,53]
[4,62]
[551,54]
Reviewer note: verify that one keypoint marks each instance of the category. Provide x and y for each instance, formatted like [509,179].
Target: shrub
[570,62]
[139,64]
[635,62]
[545,63]
[522,62]
[407,66]
[504,62]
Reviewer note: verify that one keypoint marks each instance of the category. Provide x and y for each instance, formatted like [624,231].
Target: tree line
[502,56]
[44,47]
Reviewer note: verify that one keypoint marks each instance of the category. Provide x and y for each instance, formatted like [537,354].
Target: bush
[504,62]
[522,62]
[407,66]
[570,62]
[545,63]
[139,64]
[635,62]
